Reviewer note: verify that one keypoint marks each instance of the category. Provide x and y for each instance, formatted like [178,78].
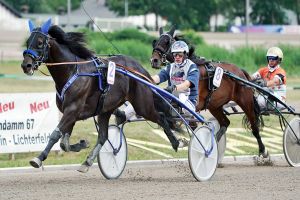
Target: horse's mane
[73,40]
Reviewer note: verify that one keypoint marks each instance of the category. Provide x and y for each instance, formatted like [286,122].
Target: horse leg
[103,120]
[156,111]
[65,139]
[173,140]
[251,111]
[54,137]
[161,119]
[63,129]
[222,119]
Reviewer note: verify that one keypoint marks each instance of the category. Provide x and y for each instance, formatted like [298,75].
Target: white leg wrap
[130,112]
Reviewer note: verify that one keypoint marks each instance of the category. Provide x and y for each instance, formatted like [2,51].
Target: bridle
[38,56]
[161,52]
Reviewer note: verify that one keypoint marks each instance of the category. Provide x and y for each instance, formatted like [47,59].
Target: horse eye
[40,44]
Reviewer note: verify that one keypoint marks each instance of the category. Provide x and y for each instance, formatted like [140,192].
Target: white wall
[8,21]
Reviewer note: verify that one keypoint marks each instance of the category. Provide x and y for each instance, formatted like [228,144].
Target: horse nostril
[155,60]
[29,65]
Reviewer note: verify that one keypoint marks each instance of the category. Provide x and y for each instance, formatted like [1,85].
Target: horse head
[162,48]
[37,47]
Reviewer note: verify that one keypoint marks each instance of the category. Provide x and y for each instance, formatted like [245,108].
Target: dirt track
[158,181]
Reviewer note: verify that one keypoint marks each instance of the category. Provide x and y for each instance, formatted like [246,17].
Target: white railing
[107,24]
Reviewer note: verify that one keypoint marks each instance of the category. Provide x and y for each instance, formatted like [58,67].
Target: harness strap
[101,100]
[132,70]
[210,69]
[77,74]
[66,86]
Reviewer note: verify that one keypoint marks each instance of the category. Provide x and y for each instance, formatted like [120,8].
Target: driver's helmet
[274,52]
[180,47]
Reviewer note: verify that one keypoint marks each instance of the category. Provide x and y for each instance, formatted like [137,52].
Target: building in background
[10,19]
[101,15]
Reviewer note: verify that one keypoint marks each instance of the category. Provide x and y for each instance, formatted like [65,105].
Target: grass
[18,82]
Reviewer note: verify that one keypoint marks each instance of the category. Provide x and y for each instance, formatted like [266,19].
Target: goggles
[274,58]
[180,55]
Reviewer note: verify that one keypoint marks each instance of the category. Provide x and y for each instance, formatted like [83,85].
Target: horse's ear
[153,43]
[31,25]
[172,31]
[45,27]
[161,31]
[191,51]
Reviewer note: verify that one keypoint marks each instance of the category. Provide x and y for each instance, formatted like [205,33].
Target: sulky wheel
[291,142]
[112,164]
[202,165]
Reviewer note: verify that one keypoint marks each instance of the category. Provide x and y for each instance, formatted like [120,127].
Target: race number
[218,77]
[111,73]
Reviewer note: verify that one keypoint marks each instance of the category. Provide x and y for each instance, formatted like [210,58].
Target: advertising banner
[26,121]
[282,29]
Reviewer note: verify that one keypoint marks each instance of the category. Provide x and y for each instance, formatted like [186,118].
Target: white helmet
[275,51]
[180,46]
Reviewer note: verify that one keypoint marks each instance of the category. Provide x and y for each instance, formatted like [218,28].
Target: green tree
[192,14]
[137,7]
[293,5]
[42,6]
[232,9]
[267,12]
[185,13]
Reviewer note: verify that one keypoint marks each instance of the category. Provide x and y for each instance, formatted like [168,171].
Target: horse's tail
[258,118]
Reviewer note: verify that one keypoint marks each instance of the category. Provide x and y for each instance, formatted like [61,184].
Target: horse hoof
[35,162]
[175,145]
[64,143]
[220,165]
[64,148]
[83,168]
[84,144]
[183,143]
[265,154]
[263,160]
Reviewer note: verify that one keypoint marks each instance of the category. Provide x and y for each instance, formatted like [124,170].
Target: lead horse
[82,90]
[211,98]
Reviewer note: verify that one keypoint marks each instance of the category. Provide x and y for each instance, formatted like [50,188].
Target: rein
[89,61]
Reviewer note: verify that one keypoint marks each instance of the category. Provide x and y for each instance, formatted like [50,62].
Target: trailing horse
[210,97]
[82,89]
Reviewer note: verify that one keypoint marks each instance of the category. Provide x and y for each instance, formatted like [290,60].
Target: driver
[182,77]
[272,77]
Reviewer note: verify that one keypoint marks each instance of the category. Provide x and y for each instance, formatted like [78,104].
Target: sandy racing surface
[154,181]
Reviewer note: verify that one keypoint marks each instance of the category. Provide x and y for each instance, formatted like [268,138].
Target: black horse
[82,90]
[209,97]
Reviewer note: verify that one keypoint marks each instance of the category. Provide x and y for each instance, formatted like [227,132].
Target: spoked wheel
[112,164]
[291,145]
[203,166]
[222,142]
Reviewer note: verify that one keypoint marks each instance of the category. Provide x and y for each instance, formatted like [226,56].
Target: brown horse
[211,98]
[81,88]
